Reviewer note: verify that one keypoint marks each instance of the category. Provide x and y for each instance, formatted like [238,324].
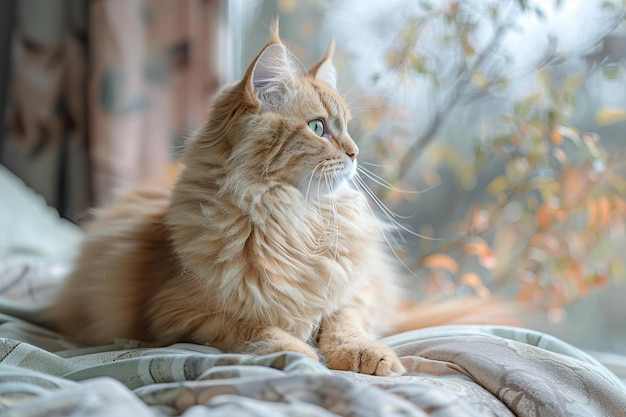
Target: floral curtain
[101,92]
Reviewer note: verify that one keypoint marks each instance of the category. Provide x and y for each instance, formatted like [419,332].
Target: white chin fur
[318,188]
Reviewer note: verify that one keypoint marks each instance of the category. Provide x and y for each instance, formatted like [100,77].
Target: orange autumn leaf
[561,214]
[488,260]
[557,138]
[575,276]
[543,216]
[473,280]
[572,180]
[599,280]
[486,256]
[619,204]
[592,213]
[497,185]
[545,241]
[477,246]
[479,220]
[441,261]
[531,291]
[604,209]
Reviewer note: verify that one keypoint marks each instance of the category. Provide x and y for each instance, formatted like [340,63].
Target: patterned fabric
[451,371]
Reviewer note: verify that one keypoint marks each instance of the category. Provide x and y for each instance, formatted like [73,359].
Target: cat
[262,245]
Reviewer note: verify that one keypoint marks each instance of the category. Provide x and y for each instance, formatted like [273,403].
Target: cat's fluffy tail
[463,310]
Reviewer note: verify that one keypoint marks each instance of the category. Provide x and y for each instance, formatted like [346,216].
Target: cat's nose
[353,153]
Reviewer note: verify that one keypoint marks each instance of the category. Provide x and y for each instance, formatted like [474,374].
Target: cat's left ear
[324,70]
[271,75]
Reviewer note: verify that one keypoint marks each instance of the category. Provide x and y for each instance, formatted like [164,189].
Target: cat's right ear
[324,70]
[271,75]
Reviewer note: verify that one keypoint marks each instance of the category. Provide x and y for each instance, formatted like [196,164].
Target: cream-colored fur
[262,245]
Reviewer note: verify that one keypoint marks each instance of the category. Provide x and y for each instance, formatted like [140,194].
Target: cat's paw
[364,356]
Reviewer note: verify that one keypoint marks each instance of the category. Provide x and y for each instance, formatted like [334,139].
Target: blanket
[450,371]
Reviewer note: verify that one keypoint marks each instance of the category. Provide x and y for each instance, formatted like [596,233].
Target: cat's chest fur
[279,259]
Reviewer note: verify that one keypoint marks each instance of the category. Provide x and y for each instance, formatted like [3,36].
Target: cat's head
[284,124]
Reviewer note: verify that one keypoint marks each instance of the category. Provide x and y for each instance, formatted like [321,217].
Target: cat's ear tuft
[324,70]
[271,75]
[274,32]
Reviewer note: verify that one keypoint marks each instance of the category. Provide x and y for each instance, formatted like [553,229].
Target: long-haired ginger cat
[263,245]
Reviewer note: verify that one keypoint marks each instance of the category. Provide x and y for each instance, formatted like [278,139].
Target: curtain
[44,141]
[102,93]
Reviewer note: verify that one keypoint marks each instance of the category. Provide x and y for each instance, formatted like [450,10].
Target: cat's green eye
[317,126]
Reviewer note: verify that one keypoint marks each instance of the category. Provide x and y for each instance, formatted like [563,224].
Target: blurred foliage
[539,206]
[550,219]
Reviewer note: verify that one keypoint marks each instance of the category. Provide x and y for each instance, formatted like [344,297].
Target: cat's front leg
[253,338]
[346,346]
[269,340]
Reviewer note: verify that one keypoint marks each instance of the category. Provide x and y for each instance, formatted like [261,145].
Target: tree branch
[461,83]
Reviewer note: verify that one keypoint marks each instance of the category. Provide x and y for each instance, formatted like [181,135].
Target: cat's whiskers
[321,213]
[310,177]
[323,219]
[333,223]
[327,220]
[390,214]
[384,183]
[359,184]
[315,217]
[372,164]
